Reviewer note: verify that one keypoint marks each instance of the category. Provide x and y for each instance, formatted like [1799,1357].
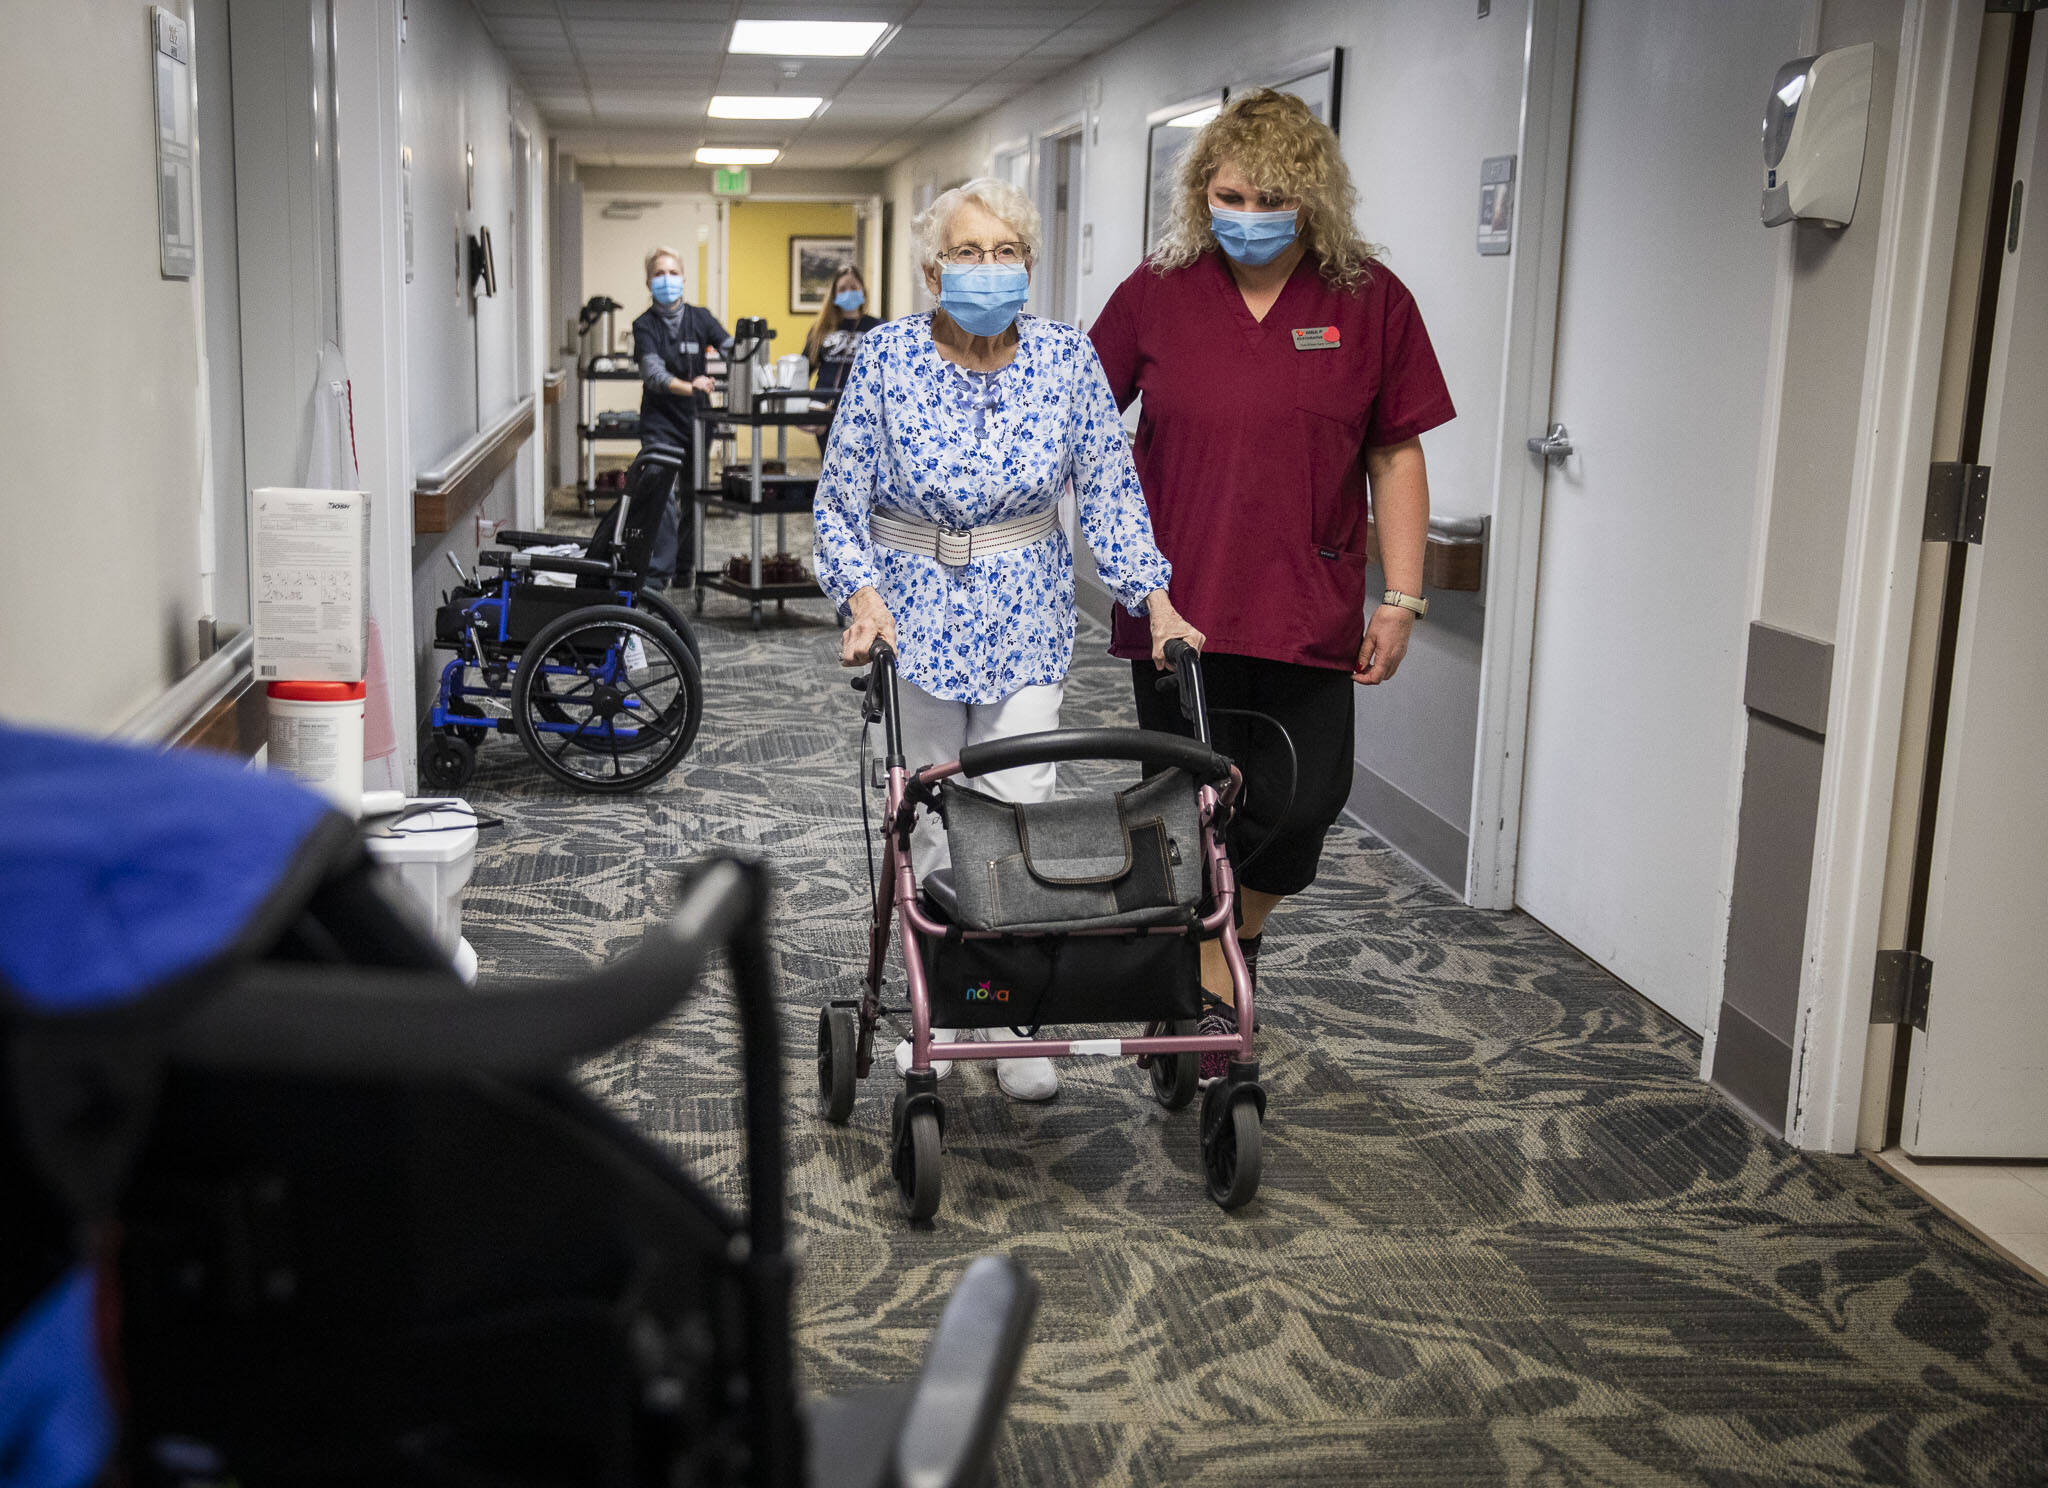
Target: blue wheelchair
[598,677]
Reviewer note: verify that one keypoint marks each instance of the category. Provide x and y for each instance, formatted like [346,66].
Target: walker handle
[1147,747]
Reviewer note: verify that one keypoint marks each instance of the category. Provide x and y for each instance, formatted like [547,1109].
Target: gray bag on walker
[1128,860]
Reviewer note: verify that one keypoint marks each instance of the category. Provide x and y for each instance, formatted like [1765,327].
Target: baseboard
[1432,844]
[1753,1067]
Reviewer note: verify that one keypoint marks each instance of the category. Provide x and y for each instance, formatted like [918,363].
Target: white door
[1977,1083]
[1663,336]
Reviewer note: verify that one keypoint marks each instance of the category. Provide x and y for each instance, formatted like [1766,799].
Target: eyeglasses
[1007,254]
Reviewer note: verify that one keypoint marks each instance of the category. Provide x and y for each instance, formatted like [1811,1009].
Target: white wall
[1429,91]
[100,408]
[460,96]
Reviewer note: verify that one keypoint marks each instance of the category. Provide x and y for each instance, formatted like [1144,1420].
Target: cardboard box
[312,561]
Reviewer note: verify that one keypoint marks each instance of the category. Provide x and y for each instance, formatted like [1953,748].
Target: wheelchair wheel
[663,609]
[1175,1077]
[607,699]
[447,761]
[473,734]
[1232,1143]
[836,1038]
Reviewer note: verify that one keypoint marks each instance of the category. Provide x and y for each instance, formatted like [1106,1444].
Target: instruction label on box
[312,584]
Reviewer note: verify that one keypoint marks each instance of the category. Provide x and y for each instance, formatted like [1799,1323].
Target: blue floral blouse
[917,436]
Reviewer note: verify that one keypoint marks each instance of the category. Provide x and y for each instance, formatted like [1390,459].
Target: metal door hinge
[1956,497]
[1898,992]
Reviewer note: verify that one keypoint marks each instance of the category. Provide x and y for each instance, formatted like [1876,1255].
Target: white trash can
[431,849]
[316,734]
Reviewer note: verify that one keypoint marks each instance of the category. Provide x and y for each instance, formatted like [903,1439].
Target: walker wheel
[915,1145]
[1231,1143]
[447,763]
[1176,1077]
[836,1039]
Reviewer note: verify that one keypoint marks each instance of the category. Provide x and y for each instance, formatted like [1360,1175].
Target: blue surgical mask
[668,288]
[1253,237]
[983,298]
[849,300]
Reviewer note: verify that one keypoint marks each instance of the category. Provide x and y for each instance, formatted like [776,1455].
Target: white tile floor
[2005,1203]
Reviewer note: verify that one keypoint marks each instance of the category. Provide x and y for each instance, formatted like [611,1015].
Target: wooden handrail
[1455,557]
[442,495]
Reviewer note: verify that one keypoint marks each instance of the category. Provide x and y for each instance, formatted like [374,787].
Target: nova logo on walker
[986,993]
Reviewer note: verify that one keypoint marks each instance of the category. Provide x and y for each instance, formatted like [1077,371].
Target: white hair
[997,196]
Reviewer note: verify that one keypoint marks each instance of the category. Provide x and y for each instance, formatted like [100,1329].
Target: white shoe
[1023,1079]
[940,1067]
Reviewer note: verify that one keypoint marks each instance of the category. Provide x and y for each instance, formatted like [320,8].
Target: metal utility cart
[588,434]
[755,494]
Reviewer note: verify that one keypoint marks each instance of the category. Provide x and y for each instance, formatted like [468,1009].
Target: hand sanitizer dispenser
[1814,128]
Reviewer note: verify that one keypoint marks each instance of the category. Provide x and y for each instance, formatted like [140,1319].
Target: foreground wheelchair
[282,1202]
[597,677]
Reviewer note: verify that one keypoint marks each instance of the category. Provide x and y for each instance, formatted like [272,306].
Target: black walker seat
[598,678]
[1124,947]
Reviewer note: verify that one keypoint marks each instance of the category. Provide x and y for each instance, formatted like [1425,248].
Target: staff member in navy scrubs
[1287,380]
[669,342]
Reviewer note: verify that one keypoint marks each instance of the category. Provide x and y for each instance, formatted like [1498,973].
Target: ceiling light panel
[807,38]
[742,106]
[727,155]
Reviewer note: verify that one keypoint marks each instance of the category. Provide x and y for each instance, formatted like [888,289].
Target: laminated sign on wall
[177,232]
[312,584]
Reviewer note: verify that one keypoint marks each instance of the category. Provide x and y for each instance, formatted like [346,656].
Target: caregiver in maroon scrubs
[1287,378]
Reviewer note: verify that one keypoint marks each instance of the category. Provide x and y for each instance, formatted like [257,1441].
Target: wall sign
[1496,205]
[177,229]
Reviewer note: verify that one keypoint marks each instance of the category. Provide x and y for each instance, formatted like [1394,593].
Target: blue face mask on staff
[983,298]
[850,300]
[668,288]
[1253,238]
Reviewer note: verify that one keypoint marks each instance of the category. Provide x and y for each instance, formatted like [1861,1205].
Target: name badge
[1317,338]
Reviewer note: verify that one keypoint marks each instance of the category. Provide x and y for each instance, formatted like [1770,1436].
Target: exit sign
[731,180]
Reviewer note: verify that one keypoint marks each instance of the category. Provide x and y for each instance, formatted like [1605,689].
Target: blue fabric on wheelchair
[56,1417]
[124,868]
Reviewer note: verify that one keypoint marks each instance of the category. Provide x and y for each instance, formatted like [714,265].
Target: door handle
[1554,445]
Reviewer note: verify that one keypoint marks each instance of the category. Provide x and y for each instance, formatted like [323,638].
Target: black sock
[1249,944]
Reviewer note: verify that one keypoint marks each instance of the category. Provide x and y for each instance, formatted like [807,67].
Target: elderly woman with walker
[937,513]
[1287,380]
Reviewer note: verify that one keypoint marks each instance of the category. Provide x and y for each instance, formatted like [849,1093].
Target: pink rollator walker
[1070,912]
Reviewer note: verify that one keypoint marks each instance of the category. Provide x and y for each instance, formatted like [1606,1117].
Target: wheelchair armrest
[511,539]
[547,563]
[969,1370]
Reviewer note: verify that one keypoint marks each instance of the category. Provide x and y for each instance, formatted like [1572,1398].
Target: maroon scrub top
[1252,451]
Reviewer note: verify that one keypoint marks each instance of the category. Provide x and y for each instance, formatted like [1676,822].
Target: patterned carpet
[1505,1236]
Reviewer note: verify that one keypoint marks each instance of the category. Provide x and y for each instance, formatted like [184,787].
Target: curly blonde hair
[1283,148]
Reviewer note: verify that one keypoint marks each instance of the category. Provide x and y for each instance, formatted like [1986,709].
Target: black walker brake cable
[1293,776]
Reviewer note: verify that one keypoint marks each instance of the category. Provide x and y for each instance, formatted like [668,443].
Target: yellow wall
[757,261]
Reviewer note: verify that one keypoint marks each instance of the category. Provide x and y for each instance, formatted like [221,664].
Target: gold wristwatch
[1406,602]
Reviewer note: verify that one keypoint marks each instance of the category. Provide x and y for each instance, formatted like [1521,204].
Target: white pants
[935,731]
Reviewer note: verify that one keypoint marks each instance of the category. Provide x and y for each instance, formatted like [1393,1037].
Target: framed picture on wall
[812,264]
[1317,81]
[1170,129]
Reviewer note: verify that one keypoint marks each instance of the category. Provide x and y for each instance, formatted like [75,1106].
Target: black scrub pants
[674,553]
[1276,838]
